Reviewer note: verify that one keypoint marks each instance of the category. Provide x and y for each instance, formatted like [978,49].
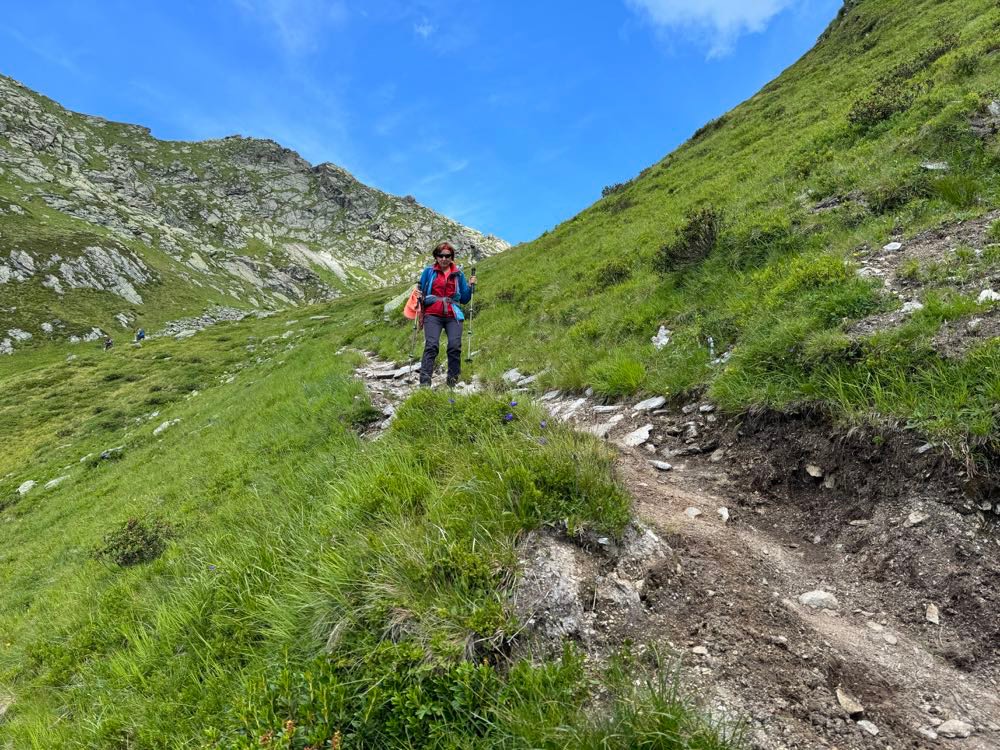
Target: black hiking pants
[433,324]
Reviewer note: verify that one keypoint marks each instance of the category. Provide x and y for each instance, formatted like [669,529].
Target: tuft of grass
[961,191]
[993,233]
[617,375]
[613,272]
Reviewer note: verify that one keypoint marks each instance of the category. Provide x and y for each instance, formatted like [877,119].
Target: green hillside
[753,233]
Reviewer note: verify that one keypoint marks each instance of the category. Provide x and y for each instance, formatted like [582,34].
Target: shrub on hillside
[709,127]
[882,102]
[505,296]
[136,541]
[907,70]
[965,65]
[892,93]
[755,238]
[613,272]
[612,189]
[617,205]
[895,192]
[694,242]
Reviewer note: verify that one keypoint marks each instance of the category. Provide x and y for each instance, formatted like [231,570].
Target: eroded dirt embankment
[753,514]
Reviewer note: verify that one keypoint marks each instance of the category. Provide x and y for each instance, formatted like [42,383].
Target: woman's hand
[472,280]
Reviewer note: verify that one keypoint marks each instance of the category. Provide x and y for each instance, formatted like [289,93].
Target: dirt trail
[883,526]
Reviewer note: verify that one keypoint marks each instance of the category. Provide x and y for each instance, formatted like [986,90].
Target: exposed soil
[933,246]
[930,249]
[886,523]
[958,337]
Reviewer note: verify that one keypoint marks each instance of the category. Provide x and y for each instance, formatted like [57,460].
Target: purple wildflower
[451,400]
[508,417]
[513,403]
[544,424]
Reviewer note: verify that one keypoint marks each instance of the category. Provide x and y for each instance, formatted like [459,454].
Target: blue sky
[507,116]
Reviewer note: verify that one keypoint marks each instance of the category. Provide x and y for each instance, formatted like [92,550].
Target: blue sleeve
[464,290]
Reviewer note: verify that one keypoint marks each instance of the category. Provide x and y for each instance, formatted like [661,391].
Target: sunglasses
[446,255]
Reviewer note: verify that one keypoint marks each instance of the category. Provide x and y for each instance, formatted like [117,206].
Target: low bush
[965,65]
[886,99]
[907,70]
[894,192]
[617,206]
[751,241]
[135,541]
[613,272]
[694,242]
[709,127]
[505,296]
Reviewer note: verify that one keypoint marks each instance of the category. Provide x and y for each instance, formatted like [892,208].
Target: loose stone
[819,599]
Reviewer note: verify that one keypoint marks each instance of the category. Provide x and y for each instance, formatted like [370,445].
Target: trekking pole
[472,304]
[413,335]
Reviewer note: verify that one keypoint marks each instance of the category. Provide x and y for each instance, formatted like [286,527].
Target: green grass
[258,571]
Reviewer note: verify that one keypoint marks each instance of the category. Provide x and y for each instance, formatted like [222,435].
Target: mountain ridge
[101,222]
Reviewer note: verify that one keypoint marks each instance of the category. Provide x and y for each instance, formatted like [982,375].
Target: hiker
[140,335]
[108,343]
[442,288]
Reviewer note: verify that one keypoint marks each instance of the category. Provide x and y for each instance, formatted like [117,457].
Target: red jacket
[445,284]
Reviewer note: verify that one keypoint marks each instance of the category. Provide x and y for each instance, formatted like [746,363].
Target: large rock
[637,437]
[650,403]
[956,729]
[819,600]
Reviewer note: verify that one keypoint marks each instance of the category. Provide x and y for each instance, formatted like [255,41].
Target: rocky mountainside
[103,225]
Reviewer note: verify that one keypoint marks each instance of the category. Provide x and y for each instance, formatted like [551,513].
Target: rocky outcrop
[96,205]
[111,269]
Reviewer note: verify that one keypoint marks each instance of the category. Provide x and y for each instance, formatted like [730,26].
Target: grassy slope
[45,232]
[286,528]
[779,283]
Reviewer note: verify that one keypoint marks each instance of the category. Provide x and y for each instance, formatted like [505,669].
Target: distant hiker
[140,335]
[108,343]
[442,289]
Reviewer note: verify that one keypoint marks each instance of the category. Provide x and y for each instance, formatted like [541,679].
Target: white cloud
[451,167]
[299,25]
[50,50]
[717,23]
[423,29]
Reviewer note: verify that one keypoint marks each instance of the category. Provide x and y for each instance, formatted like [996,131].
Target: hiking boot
[451,382]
